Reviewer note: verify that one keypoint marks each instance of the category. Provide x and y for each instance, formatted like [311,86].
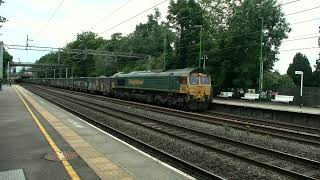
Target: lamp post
[205,57]
[301,86]
[200,45]
[260,59]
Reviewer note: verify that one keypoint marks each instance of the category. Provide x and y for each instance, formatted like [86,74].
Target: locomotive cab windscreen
[199,79]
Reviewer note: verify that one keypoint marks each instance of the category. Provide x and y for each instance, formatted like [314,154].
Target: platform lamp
[301,86]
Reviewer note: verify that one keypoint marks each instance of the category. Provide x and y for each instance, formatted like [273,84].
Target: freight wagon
[188,88]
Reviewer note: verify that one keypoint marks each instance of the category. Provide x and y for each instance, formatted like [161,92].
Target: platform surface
[24,147]
[267,105]
[101,155]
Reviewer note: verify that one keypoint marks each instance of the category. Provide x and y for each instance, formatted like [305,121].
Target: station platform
[267,106]
[42,141]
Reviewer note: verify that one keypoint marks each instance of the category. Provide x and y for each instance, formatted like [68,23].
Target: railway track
[291,132]
[280,162]
[189,167]
[293,127]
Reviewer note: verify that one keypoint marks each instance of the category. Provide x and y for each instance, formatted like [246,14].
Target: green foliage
[274,80]
[6,58]
[84,65]
[2,19]
[317,66]
[230,39]
[186,17]
[239,45]
[316,77]
[300,63]
[148,38]
[316,74]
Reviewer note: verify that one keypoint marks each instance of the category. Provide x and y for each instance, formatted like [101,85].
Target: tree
[6,58]
[50,58]
[2,19]
[84,64]
[317,66]
[147,38]
[274,80]
[316,74]
[187,18]
[239,46]
[300,63]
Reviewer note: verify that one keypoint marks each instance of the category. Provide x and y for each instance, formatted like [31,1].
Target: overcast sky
[30,17]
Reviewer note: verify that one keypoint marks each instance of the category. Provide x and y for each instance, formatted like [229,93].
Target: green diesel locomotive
[188,88]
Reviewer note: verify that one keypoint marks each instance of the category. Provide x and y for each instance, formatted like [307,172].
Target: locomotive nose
[199,94]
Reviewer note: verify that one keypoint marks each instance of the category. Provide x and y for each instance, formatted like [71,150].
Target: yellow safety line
[72,173]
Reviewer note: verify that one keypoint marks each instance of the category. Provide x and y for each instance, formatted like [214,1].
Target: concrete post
[66,72]
[301,88]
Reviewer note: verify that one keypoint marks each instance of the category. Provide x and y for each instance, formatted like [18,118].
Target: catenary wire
[110,14]
[51,17]
[305,10]
[305,21]
[133,17]
[283,4]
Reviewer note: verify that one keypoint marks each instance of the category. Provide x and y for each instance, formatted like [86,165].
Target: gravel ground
[283,145]
[225,166]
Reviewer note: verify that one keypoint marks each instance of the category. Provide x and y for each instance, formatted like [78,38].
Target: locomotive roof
[173,72]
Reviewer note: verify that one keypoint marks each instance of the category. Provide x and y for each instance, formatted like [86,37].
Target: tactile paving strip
[16,174]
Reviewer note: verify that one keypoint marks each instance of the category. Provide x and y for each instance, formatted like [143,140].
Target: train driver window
[204,80]
[194,80]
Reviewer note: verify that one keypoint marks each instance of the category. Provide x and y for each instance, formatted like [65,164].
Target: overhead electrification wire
[110,14]
[298,12]
[303,35]
[305,48]
[255,44]
[84,51]
[51,17]
[289,2]
[305,21]
[300,39]
[133,17]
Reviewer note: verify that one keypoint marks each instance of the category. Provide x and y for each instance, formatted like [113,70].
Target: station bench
[226,94]
[283,98]
[250,96]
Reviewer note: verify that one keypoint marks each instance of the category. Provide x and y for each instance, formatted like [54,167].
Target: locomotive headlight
[191,91]
[207,91]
